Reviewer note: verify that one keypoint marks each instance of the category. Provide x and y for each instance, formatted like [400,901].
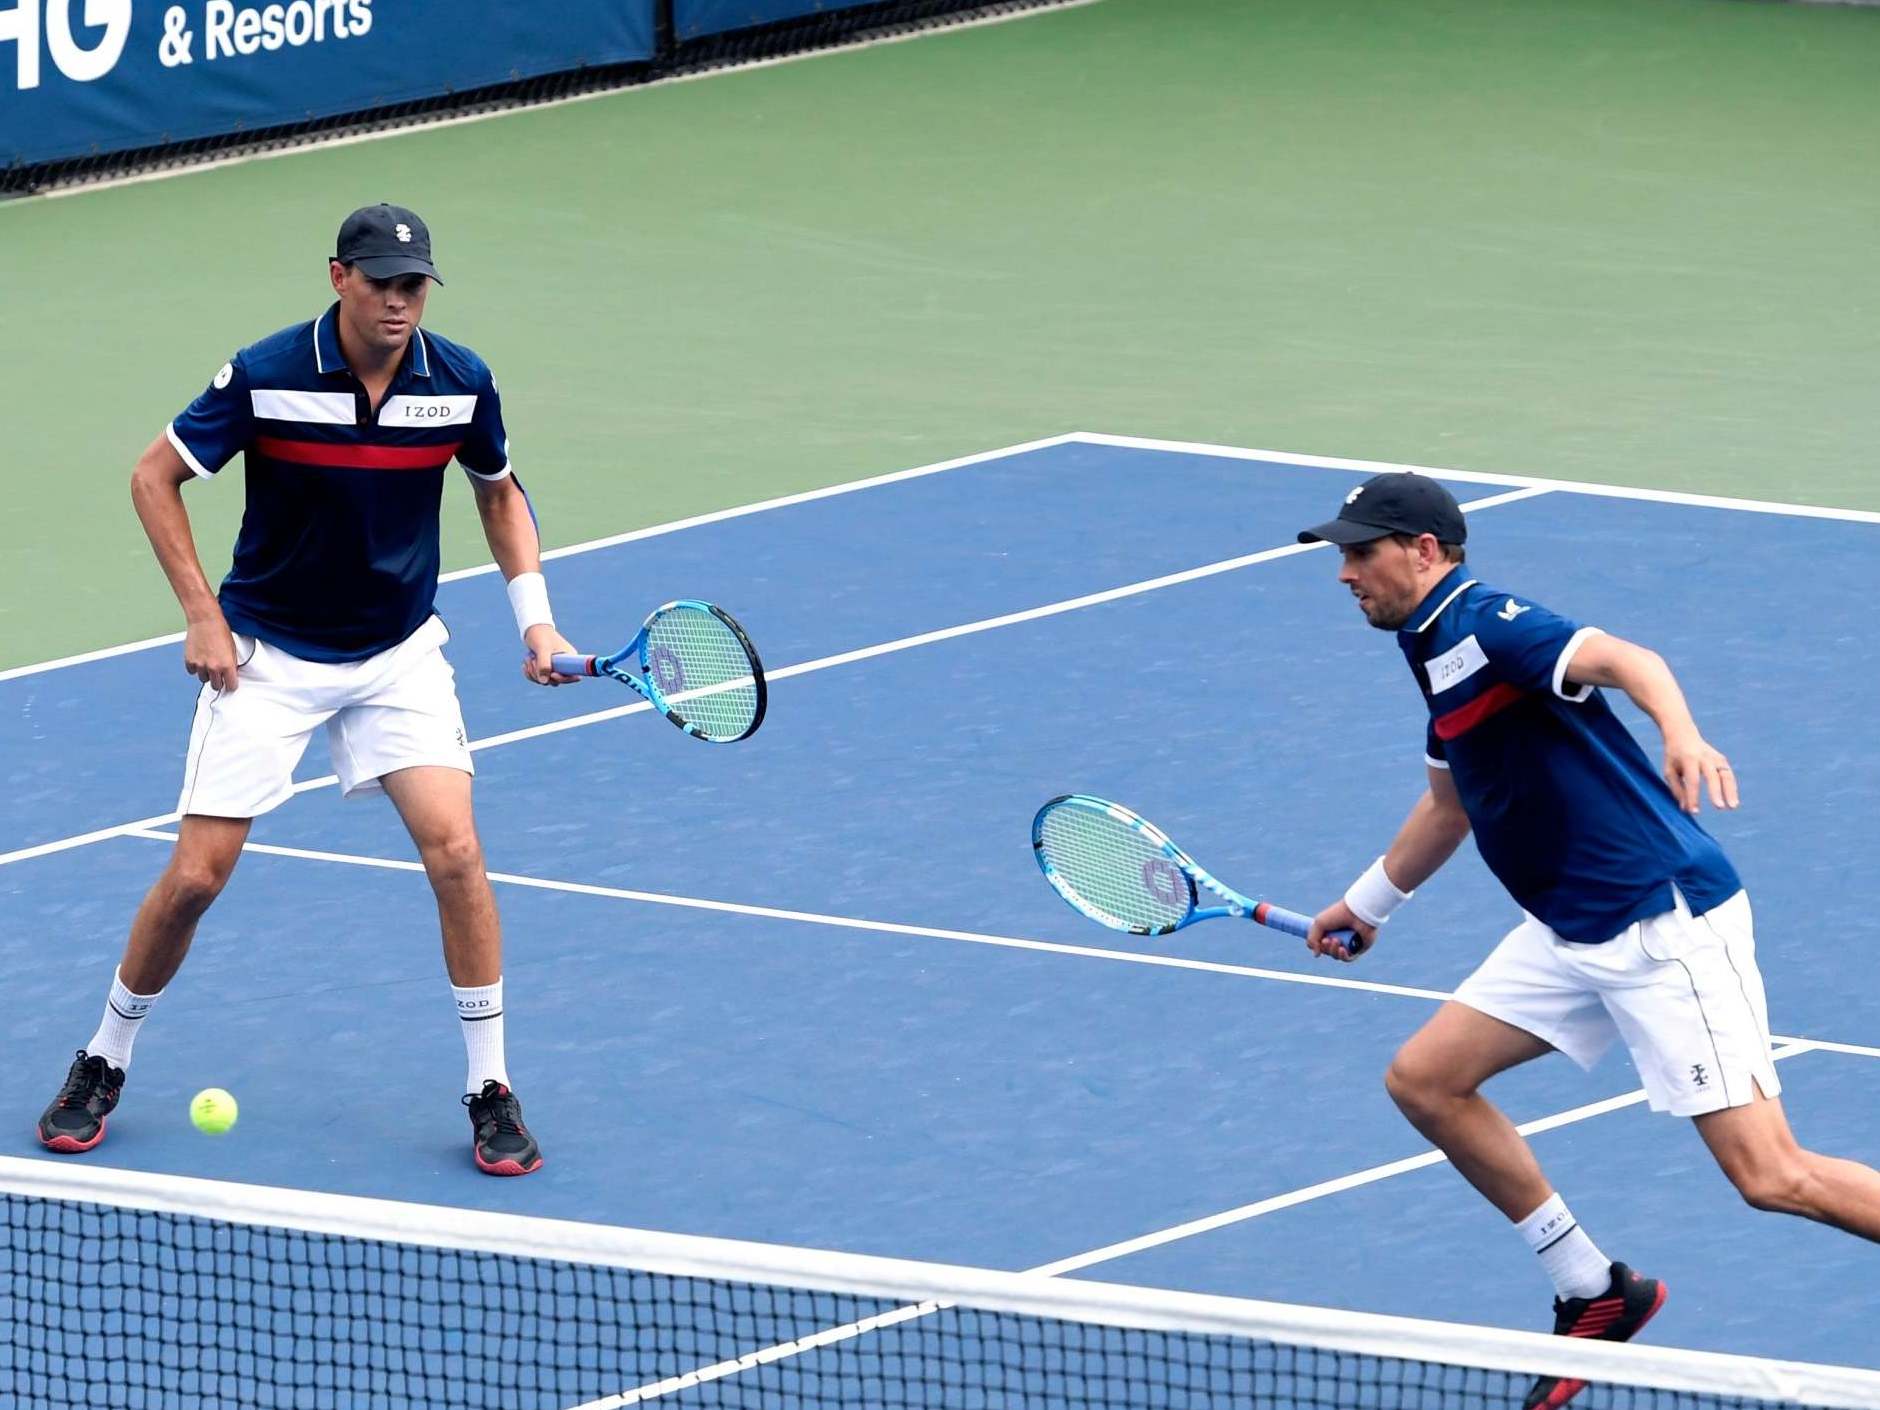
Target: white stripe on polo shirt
[427,411]
[202,471]
[323,408]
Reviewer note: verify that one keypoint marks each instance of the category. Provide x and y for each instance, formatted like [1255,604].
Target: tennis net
[123,1289]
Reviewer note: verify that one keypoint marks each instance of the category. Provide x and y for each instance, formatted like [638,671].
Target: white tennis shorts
[395,710]
[1683,991]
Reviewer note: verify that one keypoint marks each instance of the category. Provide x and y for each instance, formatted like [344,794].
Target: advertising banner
[85,76]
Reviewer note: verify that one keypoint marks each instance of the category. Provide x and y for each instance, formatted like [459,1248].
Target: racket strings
[1113,869]
[702,669]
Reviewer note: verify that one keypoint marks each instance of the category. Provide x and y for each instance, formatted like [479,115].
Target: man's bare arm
[508,526]
[1690,762]
[157,495]
[1429,837]
[514,543]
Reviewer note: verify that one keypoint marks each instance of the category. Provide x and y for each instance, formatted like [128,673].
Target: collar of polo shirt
[1446,591]
[330,360]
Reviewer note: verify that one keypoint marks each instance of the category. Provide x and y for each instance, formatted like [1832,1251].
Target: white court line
[407,129]
[1852,1049]
[1030,614]
[782,1351]
[614,540]
[1278,457]
[883,927]
[1483,477]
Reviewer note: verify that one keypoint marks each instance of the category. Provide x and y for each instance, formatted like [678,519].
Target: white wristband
[1373,896]
[528,599]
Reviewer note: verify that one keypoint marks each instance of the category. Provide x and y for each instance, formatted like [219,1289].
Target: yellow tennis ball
[213,1110]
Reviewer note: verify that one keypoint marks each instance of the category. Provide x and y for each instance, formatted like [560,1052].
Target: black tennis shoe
[1628,1303]
[75,1120]
[501,1143]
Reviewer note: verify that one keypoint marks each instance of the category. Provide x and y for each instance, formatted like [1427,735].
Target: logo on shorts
[1699,1077]
[460,739]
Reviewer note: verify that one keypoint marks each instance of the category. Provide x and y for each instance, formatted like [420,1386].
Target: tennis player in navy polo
[1635,925]
[346,424]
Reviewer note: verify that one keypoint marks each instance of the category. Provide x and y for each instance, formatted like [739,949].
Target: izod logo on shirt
[427,411]
[1455,665]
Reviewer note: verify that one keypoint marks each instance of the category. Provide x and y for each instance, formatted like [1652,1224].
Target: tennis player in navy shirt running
[1635,925]
[346,424]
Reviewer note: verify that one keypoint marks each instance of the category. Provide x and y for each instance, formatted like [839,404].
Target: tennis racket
[697,668]
[1123,872]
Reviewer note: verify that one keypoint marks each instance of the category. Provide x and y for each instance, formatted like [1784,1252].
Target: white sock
[1571,1259]
[481,1010]
[123,1015]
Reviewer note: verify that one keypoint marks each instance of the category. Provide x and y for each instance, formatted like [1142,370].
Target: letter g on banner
[84,65]
[76,62]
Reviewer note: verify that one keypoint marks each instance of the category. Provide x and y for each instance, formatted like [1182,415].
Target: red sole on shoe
[71,1145]
[507,1167]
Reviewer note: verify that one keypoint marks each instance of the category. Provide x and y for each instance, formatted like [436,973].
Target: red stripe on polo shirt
[357,457]
[1465,718]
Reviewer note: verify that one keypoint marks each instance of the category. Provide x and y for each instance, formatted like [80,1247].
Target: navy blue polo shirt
[338,553]
[1567,811]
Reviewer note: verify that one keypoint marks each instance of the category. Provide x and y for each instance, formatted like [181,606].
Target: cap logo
[1352,498]
[403,232]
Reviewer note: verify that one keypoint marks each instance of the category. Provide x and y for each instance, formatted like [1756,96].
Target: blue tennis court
[811,989]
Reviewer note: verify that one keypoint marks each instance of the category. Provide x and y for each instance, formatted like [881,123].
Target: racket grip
[1279,918]
[568,664]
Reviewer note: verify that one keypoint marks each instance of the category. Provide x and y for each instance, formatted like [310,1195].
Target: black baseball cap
[386,241]
[1396,502]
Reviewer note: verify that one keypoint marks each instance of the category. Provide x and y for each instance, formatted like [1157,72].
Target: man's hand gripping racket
[1122,871]
[697,668]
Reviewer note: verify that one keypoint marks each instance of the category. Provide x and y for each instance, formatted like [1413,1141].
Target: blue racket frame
[648,688]
[1193,875]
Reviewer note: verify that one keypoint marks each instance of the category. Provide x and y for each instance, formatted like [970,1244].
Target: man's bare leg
[435,805]
[1759,1154]
[200,865]
[1434,1079]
